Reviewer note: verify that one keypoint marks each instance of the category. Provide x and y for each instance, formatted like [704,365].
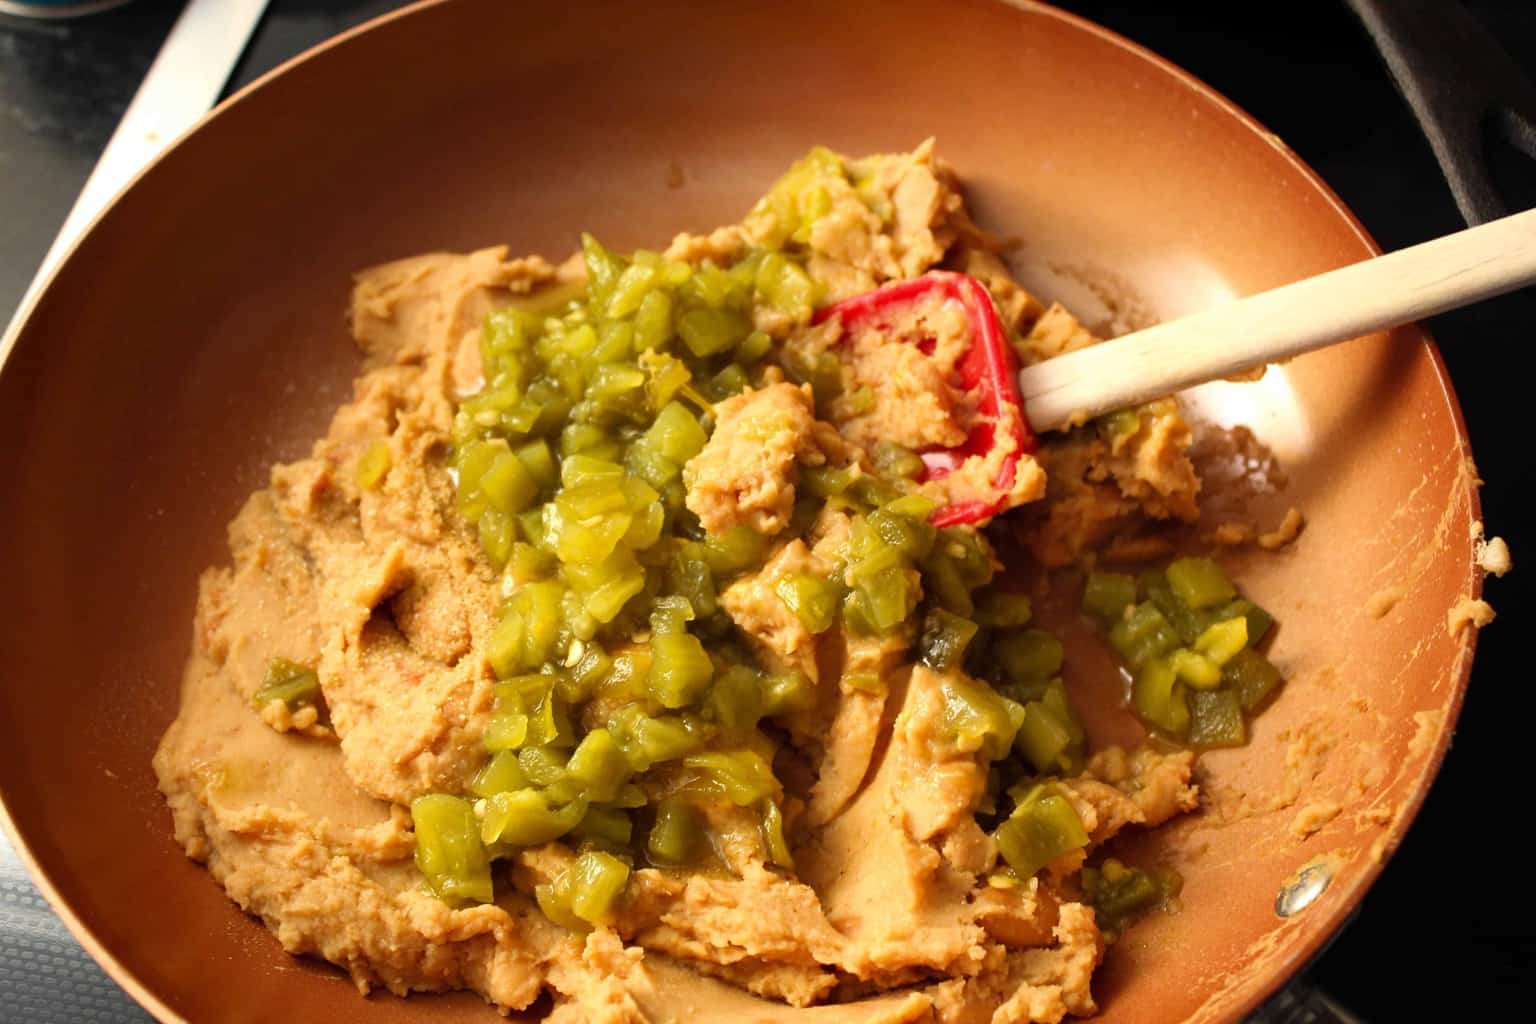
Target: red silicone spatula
[1342,304]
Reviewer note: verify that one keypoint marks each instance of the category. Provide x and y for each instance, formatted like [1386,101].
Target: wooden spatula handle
[1383,292]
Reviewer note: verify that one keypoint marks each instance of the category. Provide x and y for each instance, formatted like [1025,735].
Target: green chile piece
[709,331]
[599,765]
[1259,621]
[294,684]
[598,880]
[1118,892]
[508,485]
[499,775]
[1186,622]
[586,893]
[1195,669]
[1029,655]
[1108,594]
[524,817]
[736,698]
[1142,635]
[610,826]
[773,835]
[1043,737]
[1222,640]
[680,669]
[1200,582]
[1216,719]
[677,836]
[735,550]
[1002,609]
[647,740]
[529,628]
[449,851]
[1251,676]
[1041,828]
[944,639]
[787,692]
[741,776]
[373,465]
[977,718]
[813,600]
[1159,698]
[893,460]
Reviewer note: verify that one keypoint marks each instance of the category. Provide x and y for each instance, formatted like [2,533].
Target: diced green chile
[1040,829]
[1159,698]
[736,698]
[1143,634]
[893,460]
[449,851]
[680,669]
[741,776]
[1118,892]
[610,826]
[599,765]
[1001,609]
[1221,641]
[586,893]
[1043,737]
[1108,594]
[647,740]
[677,834]
[508,485]
[1251,676]
[1194,668]
[1216,719]
[501,774]
[373,465]
[773,835]
[735,550]
[598,882]
[539,462]
[1030,655]
[812,599]
[620,677]
[944,639]
[708,331]
[525,817]
[977,718]
[788,692]
[1259,621]
[294,684]
[1186,622]
[1200,582]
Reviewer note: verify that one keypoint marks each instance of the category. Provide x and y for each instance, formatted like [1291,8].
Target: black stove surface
[1438,936]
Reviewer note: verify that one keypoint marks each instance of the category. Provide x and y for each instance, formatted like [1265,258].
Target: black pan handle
[1300,1003]
[1462,86]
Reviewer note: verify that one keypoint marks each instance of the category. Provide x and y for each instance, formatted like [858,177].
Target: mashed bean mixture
[603,646]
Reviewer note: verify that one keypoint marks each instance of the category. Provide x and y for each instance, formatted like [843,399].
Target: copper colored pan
[196,335]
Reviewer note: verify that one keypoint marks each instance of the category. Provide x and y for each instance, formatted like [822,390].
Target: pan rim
[1241,998]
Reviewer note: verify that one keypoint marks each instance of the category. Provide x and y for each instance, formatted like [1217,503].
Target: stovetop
[1449,931]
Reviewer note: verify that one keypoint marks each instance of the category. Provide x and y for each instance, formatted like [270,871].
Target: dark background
[1448,931]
